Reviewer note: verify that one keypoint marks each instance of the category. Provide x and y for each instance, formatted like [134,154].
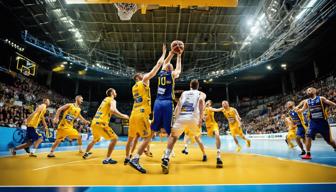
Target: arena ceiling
[218,41]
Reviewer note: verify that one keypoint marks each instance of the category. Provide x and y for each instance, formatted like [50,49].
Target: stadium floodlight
[284,65]
[268,67]
[210,80]
[306,8]
[68,74]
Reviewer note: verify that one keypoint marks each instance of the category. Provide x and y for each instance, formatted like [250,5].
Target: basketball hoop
[126,10]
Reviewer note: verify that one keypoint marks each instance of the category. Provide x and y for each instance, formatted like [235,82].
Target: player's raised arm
[328,102]
[156,68]
[303,108]
[114,110]
[177,71]
[59,111]
[168,59]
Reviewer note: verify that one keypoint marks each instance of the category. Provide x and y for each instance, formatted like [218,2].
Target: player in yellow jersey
[291,131]
[232,115]
[100,125]
[298,121]
[139,121]
[33,120]
[71,112]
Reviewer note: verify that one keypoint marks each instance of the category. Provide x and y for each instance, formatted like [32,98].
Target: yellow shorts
[102,130]
[192,132]
[236,130]
[139,124]
[62,133]
[211,128]
[291,135]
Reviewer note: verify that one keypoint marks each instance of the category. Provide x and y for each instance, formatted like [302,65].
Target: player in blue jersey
[317,119]
[298,121]
[163,105]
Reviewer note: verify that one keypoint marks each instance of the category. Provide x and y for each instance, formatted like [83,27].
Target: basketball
[177,46]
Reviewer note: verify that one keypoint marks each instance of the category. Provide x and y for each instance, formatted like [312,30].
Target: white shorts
[188,125]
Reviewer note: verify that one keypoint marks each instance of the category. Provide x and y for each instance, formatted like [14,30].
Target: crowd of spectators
[19,97]
[268,120]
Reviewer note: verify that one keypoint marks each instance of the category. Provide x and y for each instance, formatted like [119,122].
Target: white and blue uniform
[188,118]
[318,120]
[163,105]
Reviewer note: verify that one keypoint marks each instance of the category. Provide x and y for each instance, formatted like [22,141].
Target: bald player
[317,119]
[32,136]
[234,120]
[163,105]
[65,128]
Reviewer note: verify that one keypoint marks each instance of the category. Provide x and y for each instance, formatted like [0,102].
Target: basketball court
[267,165]
[254,54]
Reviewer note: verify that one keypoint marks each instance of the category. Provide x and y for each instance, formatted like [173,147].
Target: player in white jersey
[189,115]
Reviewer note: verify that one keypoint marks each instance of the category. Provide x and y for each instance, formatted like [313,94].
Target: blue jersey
[316,109]
[165,86]
[297,120]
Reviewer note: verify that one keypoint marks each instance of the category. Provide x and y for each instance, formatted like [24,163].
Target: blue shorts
[163,114]
[319,126]
[32,135]
[300,131]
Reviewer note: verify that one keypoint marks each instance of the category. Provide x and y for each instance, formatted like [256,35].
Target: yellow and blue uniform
[299,122]
[163,105]
[66,126]
[231,116]
[210,122]
[317,119]
[32,135]
[291,132]
[100,123]
[139,121]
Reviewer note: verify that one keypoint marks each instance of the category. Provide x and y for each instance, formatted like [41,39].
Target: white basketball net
[126,10]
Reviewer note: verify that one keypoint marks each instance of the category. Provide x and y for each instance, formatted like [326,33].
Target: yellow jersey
[209,116]
[142,98]
[290,126]
[230,115]
[103,113]
[69,116]
[37,117]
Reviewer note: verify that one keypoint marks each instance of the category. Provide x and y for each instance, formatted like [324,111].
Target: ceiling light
[268,67]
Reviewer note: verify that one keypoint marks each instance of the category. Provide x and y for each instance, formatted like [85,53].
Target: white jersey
[189,105]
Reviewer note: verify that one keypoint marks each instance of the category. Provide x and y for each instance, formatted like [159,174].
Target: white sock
[33,151]
[136,156]
[167,153]
[108,158]
[80,147]
[185,146]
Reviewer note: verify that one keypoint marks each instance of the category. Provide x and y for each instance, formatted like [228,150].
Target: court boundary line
[178,185]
